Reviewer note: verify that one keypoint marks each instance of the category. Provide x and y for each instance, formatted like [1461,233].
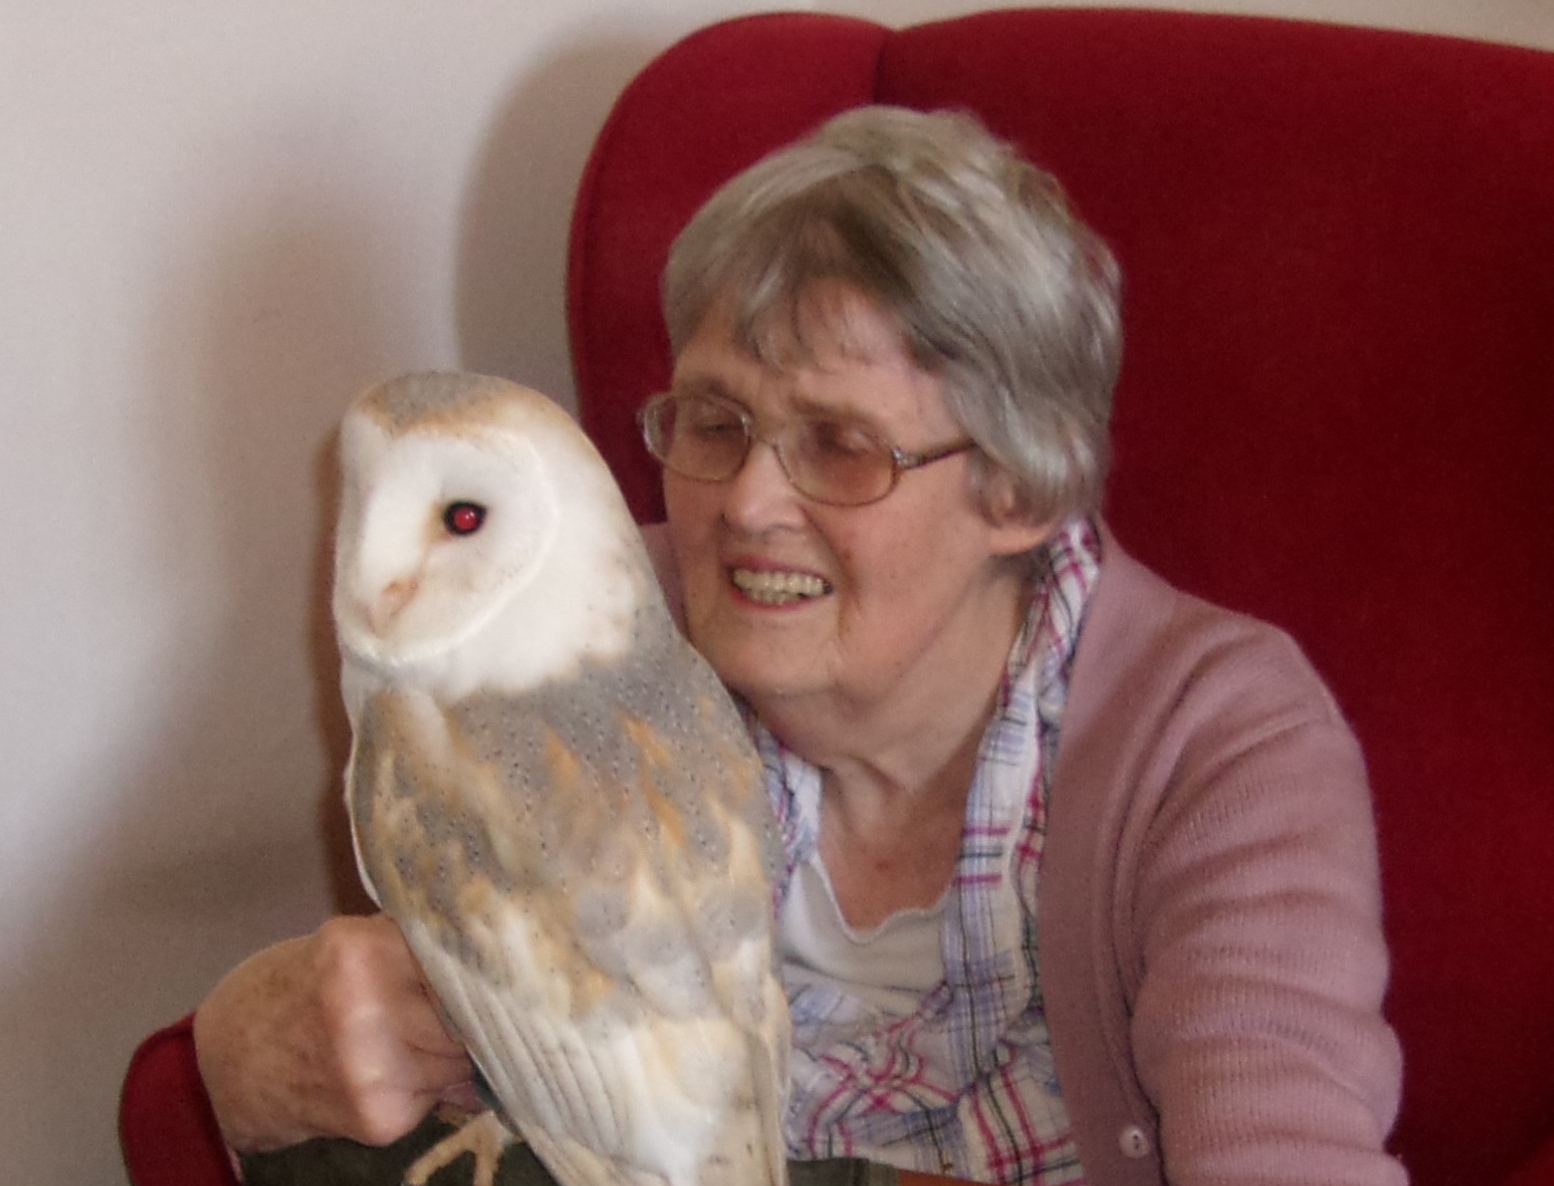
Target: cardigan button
[1133,1142]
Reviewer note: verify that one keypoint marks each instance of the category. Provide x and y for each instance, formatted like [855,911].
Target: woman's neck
[891,844]
[903,736]
[897,771]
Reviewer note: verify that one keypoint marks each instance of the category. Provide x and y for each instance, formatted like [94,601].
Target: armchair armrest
[167,1130]
[1537,1170]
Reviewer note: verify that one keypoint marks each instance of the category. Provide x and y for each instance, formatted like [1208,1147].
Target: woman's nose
[760,496]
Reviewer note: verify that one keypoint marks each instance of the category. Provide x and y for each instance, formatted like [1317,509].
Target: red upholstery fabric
[166,1128]
[1537,1170]
[1336,412]
[668,144]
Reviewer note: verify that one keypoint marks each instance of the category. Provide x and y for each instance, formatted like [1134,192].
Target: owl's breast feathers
[591,861]
[573,800]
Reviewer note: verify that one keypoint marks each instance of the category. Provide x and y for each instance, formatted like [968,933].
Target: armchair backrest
[1336,410]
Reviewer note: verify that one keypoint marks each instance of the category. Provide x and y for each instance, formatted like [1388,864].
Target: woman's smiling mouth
[767,587]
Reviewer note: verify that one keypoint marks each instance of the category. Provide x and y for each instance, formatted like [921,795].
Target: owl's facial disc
[437,535]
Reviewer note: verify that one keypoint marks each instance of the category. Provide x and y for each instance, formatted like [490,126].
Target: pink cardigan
[1210,933]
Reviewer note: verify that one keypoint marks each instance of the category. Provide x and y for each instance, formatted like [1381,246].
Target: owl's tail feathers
[771,1076]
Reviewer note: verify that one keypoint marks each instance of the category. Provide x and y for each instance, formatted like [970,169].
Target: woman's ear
[1017,528]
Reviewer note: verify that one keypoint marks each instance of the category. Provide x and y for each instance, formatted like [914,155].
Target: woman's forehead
[825,324]
[839,355]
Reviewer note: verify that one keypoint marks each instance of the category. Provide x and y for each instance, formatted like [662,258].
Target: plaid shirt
[965,1085]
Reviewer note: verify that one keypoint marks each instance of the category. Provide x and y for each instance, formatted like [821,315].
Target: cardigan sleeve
[1248,929]
[1210,916]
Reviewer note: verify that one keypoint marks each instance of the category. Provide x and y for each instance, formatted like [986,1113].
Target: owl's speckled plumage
[552,794]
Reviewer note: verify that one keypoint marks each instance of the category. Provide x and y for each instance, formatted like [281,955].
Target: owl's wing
[354,691]
[595,923]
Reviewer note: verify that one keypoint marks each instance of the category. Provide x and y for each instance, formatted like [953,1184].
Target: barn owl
[553,795]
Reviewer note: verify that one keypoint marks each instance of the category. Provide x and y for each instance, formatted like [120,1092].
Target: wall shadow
[510,296]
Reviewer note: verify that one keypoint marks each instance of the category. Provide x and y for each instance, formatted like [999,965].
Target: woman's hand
[334,1034]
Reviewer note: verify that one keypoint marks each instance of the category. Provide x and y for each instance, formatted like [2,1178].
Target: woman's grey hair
[996,286]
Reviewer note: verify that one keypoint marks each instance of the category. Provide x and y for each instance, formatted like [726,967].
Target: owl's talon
[483,1135]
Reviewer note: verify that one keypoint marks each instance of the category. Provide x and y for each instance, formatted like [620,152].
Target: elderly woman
[1080,879]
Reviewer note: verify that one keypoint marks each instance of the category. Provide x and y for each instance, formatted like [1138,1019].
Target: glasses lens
[696,437]
[835,462]
[708,439]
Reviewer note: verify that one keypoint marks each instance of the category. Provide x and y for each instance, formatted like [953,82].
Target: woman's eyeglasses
[707,439]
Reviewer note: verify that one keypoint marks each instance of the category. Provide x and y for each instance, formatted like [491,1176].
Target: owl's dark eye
[463,518]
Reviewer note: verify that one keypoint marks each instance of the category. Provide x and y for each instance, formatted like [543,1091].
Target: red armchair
[1336,412]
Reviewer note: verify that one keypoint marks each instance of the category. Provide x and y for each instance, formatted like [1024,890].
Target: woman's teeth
[778,588]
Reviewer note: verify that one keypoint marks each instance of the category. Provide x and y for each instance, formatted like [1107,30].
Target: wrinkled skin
[332,1034]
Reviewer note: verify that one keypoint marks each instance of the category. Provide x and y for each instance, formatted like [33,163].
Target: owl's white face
[437,533]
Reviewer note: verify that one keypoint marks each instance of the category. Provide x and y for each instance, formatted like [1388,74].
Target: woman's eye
[712,425]
[835,439]
[463,518]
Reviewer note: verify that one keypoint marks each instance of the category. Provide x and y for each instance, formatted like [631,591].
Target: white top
[887,968]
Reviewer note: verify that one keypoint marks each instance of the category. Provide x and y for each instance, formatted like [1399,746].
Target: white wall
[217,222]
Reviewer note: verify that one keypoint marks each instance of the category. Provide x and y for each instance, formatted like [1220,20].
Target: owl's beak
[390,602]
